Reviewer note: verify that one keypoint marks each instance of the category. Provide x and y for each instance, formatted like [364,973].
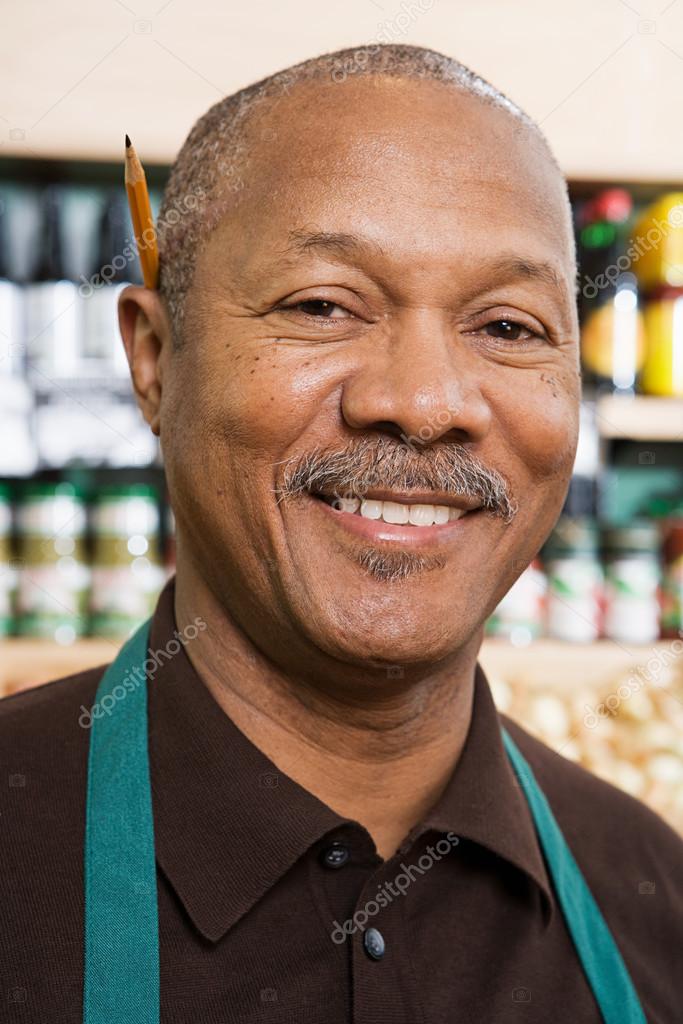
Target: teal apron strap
[121,971]
[597,950]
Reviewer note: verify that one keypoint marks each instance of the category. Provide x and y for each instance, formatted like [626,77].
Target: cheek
[272,392]
[540,425]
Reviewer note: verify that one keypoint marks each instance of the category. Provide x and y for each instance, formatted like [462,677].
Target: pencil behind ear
[147,338]
[141,216]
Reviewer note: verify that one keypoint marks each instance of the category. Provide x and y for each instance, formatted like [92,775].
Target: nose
[421,382]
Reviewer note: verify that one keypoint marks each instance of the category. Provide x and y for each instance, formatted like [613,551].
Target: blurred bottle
[663,367]
[574,602]
[11,309]
[658,238]
[632,578]
[101,346]
[52,306]
[582,496]
[612,332]
[672,583]
[16,399]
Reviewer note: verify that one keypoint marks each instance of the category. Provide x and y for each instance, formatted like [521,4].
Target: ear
[147,339]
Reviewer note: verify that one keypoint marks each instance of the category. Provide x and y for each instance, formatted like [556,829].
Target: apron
[121,969]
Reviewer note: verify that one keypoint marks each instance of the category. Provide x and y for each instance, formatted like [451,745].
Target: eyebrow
[341,246]
[331,243]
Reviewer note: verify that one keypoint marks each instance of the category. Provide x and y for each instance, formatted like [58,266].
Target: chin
[385,634]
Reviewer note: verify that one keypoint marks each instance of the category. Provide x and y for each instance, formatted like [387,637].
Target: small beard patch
[388,566]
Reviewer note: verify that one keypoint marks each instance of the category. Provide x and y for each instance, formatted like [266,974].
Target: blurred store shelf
[26,663]
[547,663]
[565,666]
[640,418]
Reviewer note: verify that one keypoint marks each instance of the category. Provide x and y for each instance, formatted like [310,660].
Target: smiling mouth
[412,511]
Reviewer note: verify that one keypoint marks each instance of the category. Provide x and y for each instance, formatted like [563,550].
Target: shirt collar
[229,823]
[483,801]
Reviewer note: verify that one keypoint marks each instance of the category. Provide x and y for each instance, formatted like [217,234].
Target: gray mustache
[382,463]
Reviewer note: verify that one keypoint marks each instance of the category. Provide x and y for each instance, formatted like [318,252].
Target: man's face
[438,335]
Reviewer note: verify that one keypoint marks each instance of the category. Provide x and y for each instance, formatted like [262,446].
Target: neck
[382,760]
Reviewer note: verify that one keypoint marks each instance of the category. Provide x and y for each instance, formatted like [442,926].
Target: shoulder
[593,814]
[52,707]
[43,775]
[44,742]
[43,780]
[631,859]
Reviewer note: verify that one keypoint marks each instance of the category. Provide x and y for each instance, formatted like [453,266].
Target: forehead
[417,165]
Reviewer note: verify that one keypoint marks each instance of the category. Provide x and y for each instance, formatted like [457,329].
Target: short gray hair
[210,165]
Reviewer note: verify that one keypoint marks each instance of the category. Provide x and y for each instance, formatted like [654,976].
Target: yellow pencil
[141,215]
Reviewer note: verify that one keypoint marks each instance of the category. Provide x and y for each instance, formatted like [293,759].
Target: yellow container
[662,370]
[657,243]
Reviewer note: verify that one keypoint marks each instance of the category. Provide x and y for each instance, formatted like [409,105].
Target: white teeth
[424,515]
[397,513]
[392,512]
[371,509]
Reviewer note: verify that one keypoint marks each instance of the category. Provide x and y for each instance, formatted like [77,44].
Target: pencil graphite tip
[128,142]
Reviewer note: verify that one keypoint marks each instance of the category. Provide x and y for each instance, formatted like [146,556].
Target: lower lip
[405,535]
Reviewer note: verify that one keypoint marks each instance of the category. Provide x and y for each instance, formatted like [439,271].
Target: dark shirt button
[373,943]
[335,856]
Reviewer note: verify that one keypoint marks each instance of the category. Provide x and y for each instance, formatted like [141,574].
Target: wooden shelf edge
[640,418]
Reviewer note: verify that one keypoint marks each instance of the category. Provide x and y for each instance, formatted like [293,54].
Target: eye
[320,308]
[509,330]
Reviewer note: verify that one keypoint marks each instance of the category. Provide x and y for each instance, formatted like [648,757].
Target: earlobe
[146,335]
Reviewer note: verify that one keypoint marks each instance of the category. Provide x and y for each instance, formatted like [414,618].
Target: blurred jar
[8,575]
[662,372]
[575,579]
[632,578]
[658,241]
[519,615]
[127,572]
[54,577]
[672,583]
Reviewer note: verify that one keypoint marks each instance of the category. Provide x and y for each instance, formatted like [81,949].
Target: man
[362,365]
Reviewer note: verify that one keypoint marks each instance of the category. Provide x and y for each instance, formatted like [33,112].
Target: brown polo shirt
[273,908]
